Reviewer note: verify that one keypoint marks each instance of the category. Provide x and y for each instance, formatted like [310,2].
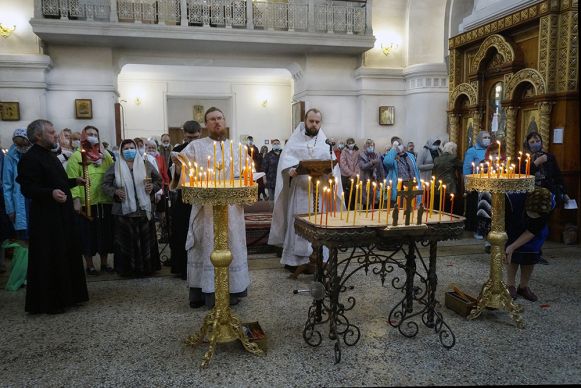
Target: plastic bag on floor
[18,267]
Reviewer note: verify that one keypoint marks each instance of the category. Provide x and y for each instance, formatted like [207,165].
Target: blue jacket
[392,174]
[13,198]
[473,154]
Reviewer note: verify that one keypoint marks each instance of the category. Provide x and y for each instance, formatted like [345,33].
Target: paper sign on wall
[558,135]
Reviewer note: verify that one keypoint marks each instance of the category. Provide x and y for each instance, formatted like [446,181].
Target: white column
[184,13]
[249,15]
[38,9]
[113,18]
[368,18]
[311,18]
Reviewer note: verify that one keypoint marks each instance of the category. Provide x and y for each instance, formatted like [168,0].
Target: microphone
[316,290]
[329,142]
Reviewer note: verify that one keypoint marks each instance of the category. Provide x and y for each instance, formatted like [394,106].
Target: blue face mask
[129,154]
[370,150]
[536,147]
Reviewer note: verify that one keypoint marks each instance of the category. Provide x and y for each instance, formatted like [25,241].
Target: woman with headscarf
[65,148]
[426,158]
[474,154]
[75,140]
[130,182]
[97,231]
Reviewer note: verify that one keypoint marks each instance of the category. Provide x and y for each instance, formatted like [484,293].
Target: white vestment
[290,196]
[200,240]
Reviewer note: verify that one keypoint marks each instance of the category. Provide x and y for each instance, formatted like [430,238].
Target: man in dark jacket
[270,165]
[56,278]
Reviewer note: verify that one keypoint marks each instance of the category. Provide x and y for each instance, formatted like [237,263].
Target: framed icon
[298,113]
[10,111]
[386,115]
[84,108]
[199,113]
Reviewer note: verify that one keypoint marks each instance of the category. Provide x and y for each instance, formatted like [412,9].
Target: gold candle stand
[221,325]
[494,293]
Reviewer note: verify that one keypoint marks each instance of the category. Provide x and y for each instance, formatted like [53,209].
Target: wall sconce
[264,103]
[137,101]
[387,48]
[6,31]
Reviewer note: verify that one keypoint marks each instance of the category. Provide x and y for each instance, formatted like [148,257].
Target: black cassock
[56,277]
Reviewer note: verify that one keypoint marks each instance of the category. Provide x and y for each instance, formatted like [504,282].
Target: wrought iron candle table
[494,293]
[221,325]
[371,245]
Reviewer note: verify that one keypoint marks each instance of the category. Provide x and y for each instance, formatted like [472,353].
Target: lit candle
[519,162]
[528,163]
[327,207]
[368,189]
[381,187]
[349,203]
[309,198]
[440,189]
[335,198]
[206,176]
[356,201]
[488,168]
[231,171]
[182,174]
[472,168]
[240,162]
[432,191]
[399,183]
[388,202]
[316,207]
[322,204]
[361,195]
[252,175]
[191,177]
[451,206]
[214,166]
[373,200]
[341,205]
[442,201]
[499,149]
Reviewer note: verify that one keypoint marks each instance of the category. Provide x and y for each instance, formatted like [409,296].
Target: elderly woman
[370,168]
[130,182]
[427,156]
[65,146]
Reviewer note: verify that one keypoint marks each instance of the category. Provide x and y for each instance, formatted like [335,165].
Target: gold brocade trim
[475,182]
[525,75]
[504,48]
[220,195]
[469,90]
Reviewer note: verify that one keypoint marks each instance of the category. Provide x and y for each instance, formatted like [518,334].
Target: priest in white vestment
[200,240]
[291,192]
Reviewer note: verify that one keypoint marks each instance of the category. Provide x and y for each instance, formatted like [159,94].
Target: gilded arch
[466,89]
[511,81]
[503,47]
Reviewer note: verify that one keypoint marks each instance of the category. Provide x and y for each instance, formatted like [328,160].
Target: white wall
[181,109]
[22,40]
[426,29]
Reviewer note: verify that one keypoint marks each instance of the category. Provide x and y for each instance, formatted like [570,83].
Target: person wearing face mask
[426,158]
[55,276]
[16,205]
[400,165]
[270,165]
[474,154]
[308,141]
[165,148]
[66,148]
[349,166]
[160,196]
[545,168]
[131,182]
[75,140]
[96,234]
[370,169]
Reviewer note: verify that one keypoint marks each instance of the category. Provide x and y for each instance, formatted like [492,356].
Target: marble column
[545,113]
[510,138]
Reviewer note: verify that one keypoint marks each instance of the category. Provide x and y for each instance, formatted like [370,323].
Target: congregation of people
[67,197]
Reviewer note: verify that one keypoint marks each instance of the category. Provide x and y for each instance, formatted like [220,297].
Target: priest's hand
[292,172]
[77,204]
[59,196]
[80,181]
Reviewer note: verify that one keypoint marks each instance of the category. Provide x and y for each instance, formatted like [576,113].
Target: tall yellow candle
[240,163]
[309,198]
[367,187]
[432,193]
[341,205]
[316,207]
[380,202]
[349,203]
[356,202]
[183,174]
[231,171]
[399,183]
[214,166]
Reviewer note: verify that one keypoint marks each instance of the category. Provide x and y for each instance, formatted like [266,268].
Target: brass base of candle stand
[494,293]
[221,325]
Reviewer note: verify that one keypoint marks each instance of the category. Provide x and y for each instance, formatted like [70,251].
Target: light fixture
[137,101]
[264,103]
[387,48]
[6,31]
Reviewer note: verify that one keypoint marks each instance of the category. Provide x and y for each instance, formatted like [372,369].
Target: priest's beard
[311,132]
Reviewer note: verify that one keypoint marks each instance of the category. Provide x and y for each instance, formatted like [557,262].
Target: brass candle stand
[221,325]
[494,293]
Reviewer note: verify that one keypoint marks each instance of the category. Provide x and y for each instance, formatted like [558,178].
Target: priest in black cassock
[180,212]
[56,277]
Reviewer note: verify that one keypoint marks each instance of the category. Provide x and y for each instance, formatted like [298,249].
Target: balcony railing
[338,16]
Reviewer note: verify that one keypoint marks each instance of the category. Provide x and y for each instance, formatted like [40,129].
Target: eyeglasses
[219,118]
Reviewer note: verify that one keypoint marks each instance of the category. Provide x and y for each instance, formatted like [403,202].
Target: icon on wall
[10,111]
[386,115]
[84,108]
[199,113]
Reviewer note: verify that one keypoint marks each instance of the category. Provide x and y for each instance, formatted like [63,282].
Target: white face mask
[485,142]
[351,146]
[276,147]
[76,143]
[166,145]
[141,150]
[93,140]
[399,148]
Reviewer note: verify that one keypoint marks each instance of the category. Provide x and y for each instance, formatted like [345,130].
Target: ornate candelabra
[221,325]
[494,293]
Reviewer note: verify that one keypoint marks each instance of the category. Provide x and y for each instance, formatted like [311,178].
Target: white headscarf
[123,179]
